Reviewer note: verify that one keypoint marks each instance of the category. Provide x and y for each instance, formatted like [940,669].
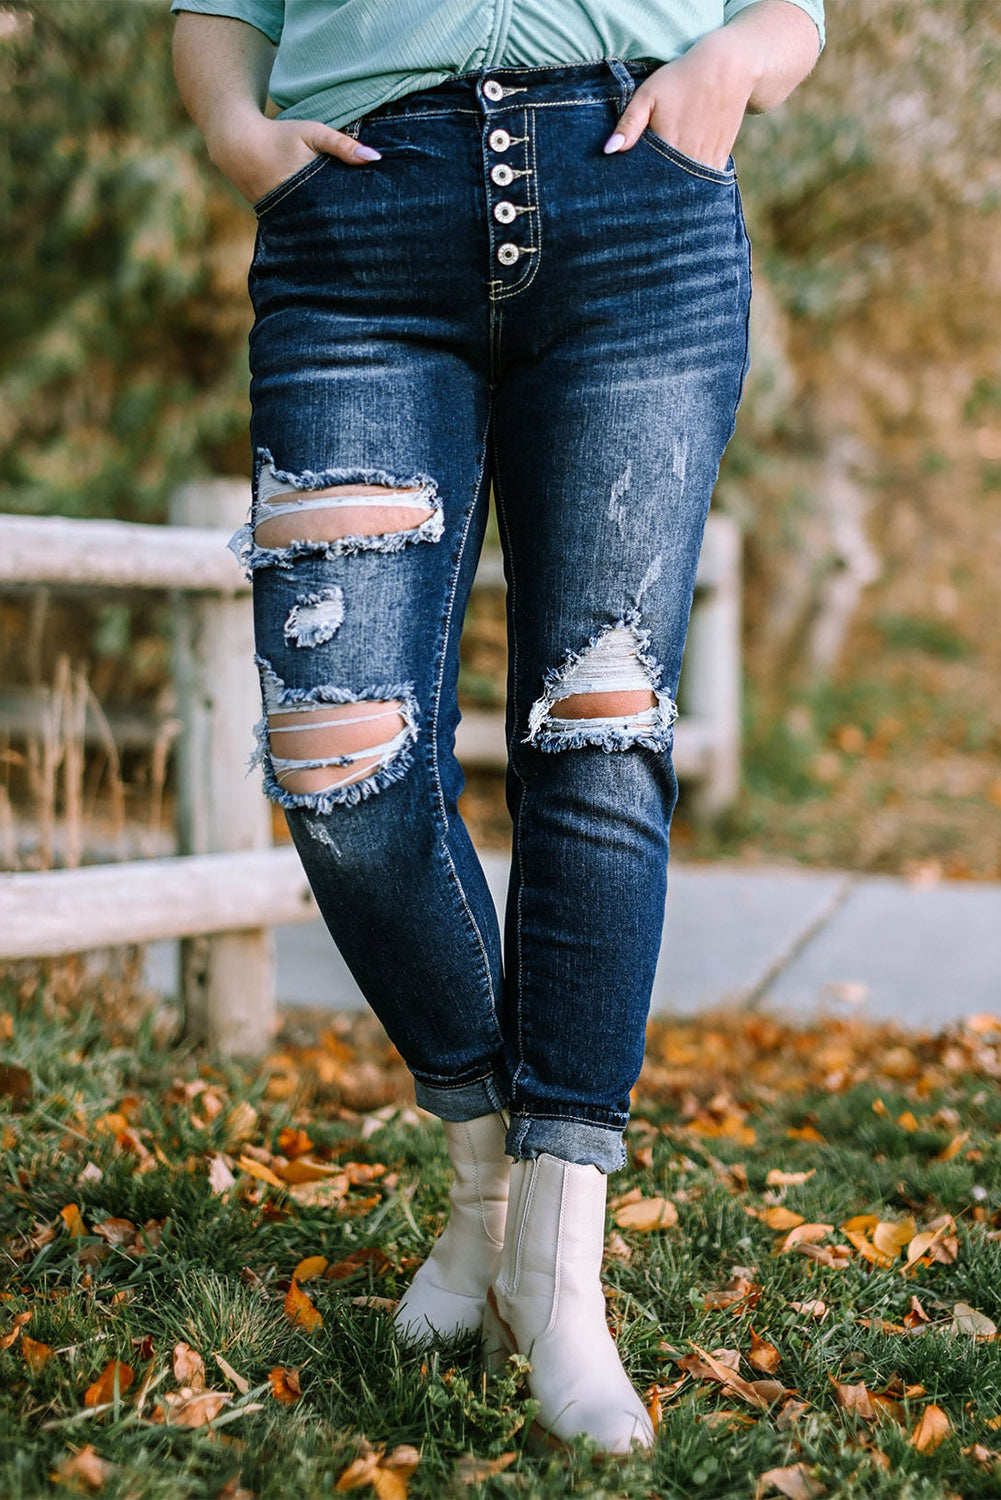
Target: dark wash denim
[591,370]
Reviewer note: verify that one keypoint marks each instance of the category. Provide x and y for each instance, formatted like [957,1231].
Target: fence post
[711,673]
[227,979]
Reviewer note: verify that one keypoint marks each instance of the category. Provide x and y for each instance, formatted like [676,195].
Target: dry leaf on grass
[240,1123]
[300,1310]
[326,1194]
[14,1332]
[86,1468]
[647,1214]
[472,1470]
[369,1257]
[259,1170]
[715,1369]
[388,1476]
[240,1381]
[116,1231]
[221,1178]
[796,1482]
[189,1367]
[191,1408]
[777,1178]
[966,1319]
[15,1084]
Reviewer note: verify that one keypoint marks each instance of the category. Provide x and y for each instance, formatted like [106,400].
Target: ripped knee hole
[339,511]
[603,705]
[330,745]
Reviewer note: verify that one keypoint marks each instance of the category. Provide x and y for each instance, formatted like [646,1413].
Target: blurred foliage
[125,324]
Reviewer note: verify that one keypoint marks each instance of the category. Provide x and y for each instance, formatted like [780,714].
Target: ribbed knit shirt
[339,59]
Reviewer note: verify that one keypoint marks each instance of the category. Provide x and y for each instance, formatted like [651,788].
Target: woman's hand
[256,153]
[696,103]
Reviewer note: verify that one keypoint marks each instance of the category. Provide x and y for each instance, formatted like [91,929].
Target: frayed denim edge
[250,556]
[355,791]
[606,737]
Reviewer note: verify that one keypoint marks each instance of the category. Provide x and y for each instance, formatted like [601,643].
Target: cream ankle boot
[445,1298]
[546,1302]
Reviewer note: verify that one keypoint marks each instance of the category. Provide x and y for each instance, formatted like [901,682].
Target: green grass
[216,1278]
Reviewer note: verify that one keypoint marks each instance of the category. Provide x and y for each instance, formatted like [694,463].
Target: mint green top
[339,59]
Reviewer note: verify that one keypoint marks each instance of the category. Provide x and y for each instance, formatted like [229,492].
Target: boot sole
[498,1344]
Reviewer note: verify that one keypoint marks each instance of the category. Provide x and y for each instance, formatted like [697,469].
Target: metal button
[493,90]
[499,140]
[501,174]
[507,253]
[505,213]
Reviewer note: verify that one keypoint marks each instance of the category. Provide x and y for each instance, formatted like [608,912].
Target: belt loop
[625,80]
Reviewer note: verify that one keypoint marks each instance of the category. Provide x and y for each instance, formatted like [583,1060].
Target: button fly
[507,253]
[493,90]
[501,174]
[499,140]
[505,213]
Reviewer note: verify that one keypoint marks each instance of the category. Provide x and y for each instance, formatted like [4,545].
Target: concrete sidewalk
[778,937]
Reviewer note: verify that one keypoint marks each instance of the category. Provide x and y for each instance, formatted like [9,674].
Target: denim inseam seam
[502,519]
[435,772]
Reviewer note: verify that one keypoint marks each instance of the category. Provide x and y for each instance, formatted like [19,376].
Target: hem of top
[311,108]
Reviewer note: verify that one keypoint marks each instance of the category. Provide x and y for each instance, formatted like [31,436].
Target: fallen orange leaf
[103,1388]
[313,1265]
[259,1170]
[932,1428]
[73,1219]
[35,1353]
[954,1147]
[779,1217]
[15,1332]
[777,1178]
[285,1385]
[763,1356]
[300,1310]
[647,1214]
[292,1142]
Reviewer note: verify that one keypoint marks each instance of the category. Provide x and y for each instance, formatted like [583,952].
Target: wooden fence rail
[226,889]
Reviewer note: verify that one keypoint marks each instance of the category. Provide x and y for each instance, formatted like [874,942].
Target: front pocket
[688,163]
[289,185]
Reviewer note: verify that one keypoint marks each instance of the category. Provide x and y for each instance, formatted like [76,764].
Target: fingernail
[615,143]
[366,153]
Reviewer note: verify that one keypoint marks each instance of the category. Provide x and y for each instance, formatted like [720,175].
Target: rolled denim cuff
[467,1101]
[577,1141]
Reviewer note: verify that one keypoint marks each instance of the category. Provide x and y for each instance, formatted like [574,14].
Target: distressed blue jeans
[494,302]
